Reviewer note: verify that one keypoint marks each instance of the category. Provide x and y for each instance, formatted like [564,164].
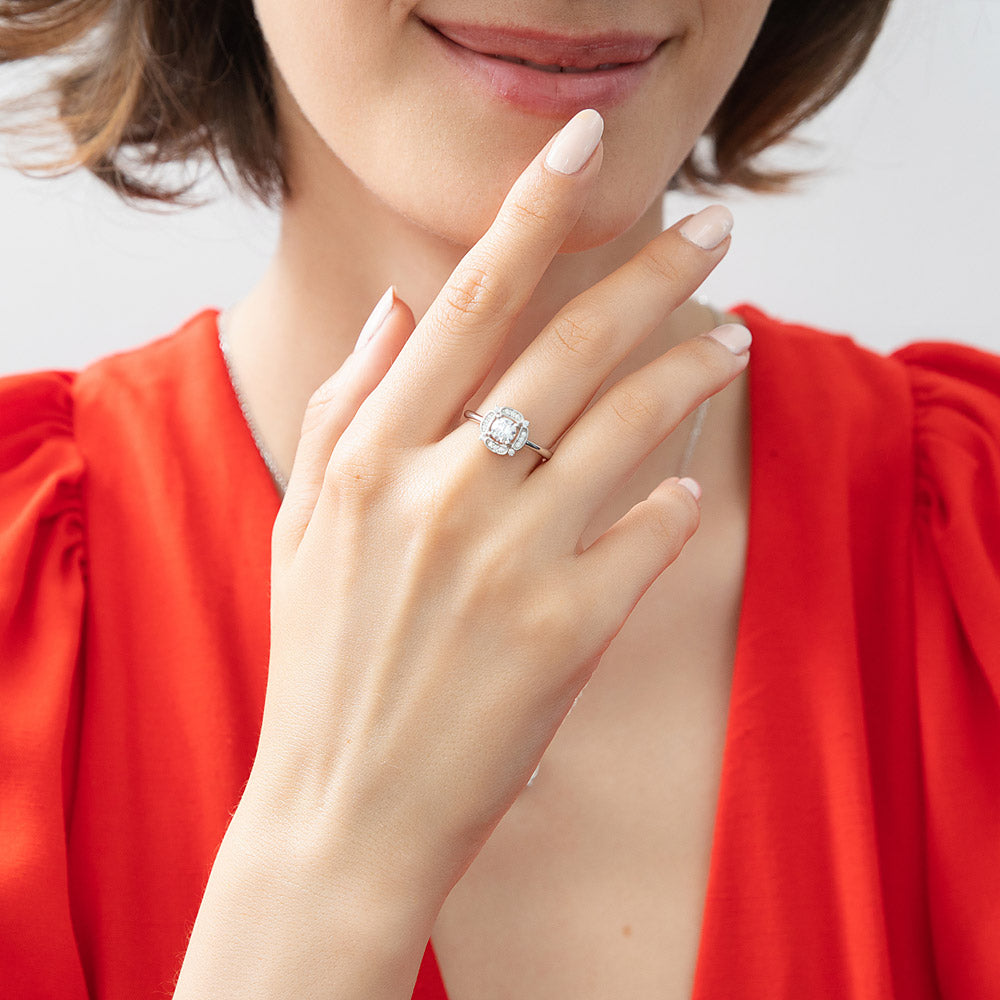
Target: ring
[504,430]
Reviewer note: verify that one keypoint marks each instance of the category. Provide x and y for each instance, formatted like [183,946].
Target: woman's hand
[433,616]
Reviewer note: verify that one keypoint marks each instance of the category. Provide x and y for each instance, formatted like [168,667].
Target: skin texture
[403,717]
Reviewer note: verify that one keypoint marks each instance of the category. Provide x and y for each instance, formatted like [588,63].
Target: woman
[781,780]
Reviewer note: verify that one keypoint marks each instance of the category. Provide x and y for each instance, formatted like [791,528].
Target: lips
[550,52]
[547,74]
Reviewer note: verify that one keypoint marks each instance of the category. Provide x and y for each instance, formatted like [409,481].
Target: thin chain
[699,414]
[282,484]
[279,480]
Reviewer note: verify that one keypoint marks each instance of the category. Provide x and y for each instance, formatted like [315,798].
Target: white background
[894,242]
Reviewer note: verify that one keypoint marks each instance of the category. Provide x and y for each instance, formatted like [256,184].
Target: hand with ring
[433,616]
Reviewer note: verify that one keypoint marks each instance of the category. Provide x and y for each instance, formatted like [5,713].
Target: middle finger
[557,375]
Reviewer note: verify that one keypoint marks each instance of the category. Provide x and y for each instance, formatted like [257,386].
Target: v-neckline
[757,501]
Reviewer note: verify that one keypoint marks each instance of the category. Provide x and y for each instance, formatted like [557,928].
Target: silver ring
[504,430]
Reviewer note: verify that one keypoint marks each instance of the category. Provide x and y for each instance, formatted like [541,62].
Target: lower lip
[542,93]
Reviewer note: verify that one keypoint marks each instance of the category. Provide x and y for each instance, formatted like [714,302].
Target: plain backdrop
[894,241]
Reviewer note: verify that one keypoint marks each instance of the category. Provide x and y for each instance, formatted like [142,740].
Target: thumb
[332,407]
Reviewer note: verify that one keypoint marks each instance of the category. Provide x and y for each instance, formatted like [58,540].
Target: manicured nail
[709,227]
[378,316]
[576,142]
[691,486]
[732,336]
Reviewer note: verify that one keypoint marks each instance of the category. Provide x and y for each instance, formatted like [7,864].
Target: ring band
[504,430]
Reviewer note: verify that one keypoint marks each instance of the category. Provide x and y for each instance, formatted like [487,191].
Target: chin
[602,224]
[613,207]
[596,226]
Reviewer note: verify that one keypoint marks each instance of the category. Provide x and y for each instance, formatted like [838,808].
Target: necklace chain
[272,467]
[282,484]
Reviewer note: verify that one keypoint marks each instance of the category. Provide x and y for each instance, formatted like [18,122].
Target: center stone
[503,430]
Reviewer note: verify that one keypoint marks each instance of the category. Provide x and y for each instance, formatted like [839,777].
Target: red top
[857,837]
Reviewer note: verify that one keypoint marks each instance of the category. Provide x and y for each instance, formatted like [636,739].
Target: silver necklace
[279,480]
[282,484]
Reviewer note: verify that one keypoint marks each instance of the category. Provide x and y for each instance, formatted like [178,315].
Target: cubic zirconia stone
[504,430]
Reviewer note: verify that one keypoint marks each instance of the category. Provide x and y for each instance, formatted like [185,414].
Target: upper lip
[550,49]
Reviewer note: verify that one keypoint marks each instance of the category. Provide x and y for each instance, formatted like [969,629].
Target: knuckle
[678,508]
[442,506]
[473,293]
[715,355]
[709,366]
[639,410]
[326,390]
[525,214]
[661,265]
[354,473]
[580,337]
[666,523]
[317,411]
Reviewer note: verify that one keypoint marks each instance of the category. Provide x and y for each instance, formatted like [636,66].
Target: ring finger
[558,374]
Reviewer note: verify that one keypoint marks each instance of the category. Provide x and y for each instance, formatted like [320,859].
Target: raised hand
[434,615]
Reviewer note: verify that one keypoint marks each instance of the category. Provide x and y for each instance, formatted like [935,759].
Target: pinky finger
[638,547]
[331,408]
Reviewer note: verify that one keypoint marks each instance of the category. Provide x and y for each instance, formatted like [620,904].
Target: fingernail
[691,486]
[378,316]
[732,336]
[709,227]
[576,142]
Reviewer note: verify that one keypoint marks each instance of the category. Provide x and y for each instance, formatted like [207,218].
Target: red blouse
[857,838]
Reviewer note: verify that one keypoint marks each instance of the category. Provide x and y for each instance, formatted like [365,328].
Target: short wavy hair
[136,84]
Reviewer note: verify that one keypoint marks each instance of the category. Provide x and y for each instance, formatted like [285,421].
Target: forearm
[279,919]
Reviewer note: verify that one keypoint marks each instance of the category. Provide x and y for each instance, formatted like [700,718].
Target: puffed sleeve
[956,393]
[42,598]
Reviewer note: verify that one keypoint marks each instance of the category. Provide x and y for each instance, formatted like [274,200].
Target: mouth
[547,73]
[555,68]
[550,52]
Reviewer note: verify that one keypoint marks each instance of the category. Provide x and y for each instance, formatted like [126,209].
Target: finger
[619,566]
[557,375]
[457,341]
[602,450]
[331,408]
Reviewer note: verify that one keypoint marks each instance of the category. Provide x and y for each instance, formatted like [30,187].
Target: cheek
[328,54]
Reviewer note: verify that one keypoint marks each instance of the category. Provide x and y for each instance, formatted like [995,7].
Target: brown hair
[165,81]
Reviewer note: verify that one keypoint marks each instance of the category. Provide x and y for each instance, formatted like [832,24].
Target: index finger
[460,336]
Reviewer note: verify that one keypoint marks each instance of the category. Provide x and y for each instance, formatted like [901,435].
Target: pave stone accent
[504,430]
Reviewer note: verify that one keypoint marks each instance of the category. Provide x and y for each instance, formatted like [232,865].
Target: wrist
[346,864]
[280,922]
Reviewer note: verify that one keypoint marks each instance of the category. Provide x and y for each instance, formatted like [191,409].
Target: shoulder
[36,414]
[141,414]
[925,390]
[41,468]
[50,403]
[144,379]
[956,395]
[60,429]
[905,441]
